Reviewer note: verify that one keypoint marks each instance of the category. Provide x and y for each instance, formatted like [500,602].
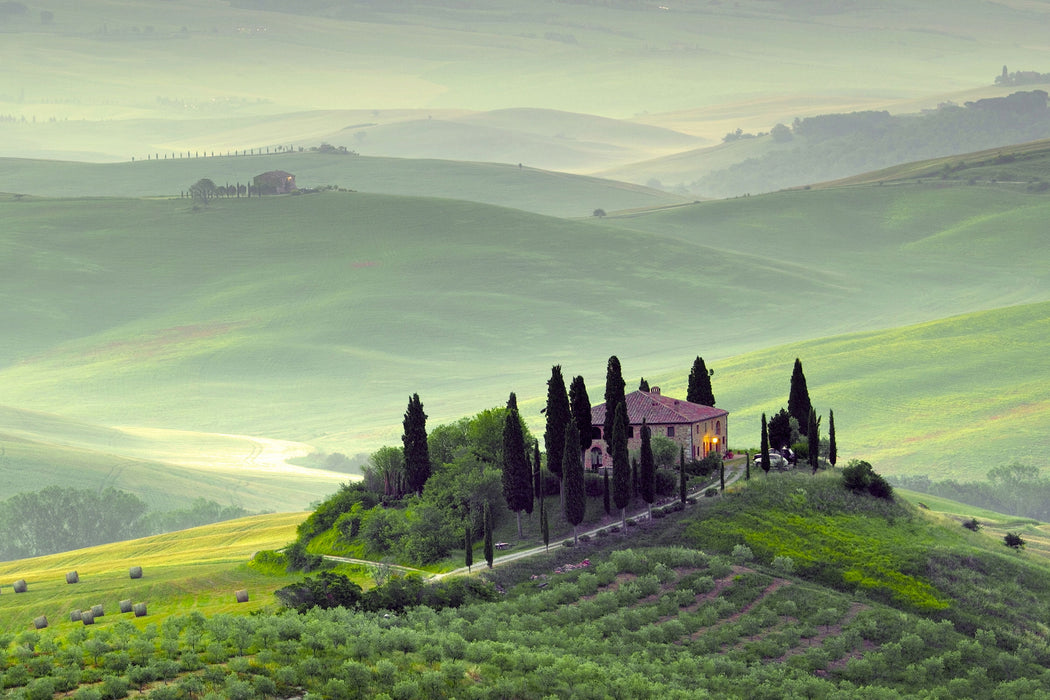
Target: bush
[742,553]
[1013,540]
[784,564]
[972,524]
[568,543]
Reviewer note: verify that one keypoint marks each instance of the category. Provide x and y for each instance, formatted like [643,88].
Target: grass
[196,569]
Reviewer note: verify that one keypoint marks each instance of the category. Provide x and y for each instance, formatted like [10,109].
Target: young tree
[614,396]
[572,481]
[681,475]
[580,408]
[647,470]
[620,462]
[489,544]
[517,476]
[699,390]
[558,416]
[468,548]
[833,450]
[765,446]
[414,439]
[813,434]
[798,400]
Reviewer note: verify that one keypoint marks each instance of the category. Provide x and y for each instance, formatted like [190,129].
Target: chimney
[655,390]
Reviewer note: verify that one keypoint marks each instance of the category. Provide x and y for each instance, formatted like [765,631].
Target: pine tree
[414,439]
[814,440]
[833,450]
[647,470]
[620,462]
[489,545]
[468,548]
[572,481]
[699,390]
[614,396]
[765,446]
[681,475]
[580,409]
[517,476]
[798,400]
[557,413]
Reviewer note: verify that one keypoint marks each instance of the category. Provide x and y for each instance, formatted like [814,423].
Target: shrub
[1012,539]
[585,538]
[742,553]
[972,524]
[568,543]
[784,564]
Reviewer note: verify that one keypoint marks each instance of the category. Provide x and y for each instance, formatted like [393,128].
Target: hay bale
[96,610]
[125,606]
[20,586]
[242,596]
[87,618]
[40,622]
[72,577]
[135,572]
[140,609]
[75,615]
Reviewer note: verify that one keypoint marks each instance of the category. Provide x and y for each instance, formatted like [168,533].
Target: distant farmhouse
[701,430]
[274,182]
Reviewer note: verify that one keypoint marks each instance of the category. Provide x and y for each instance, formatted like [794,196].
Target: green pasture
[197,569]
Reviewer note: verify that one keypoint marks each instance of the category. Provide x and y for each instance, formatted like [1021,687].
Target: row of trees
[784,429]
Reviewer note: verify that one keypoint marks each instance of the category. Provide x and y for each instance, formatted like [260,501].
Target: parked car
[775,461]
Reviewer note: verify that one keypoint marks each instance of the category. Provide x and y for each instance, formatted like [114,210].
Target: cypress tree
[833,450]
[681,475]
[580,409]
[605,493]
[721,475]
[643,385]
[537,474]
[814,440]
[557,413]
[798,400]
[614,396]
[699,390]
[634,477]
[545,530]
[414,439]
[572,480]
[620,462]
[647,470]
[517,476]
[765,445]
[747,466]
[489,546]
[468,548]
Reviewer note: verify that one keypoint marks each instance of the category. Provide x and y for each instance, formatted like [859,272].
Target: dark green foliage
[643,385]
[468,548]
[721,475]
[301,560]
[545,530]
[783,429]
[558,416]
[813,442]
[799,405]
[699,388]
[1013,540]
[489,543]
[858,476]
[572,478]
[620,460]
[328,590]
[765,446]
[517,474]
[606,495]
[833,450]
[972,524]
[681,476]
[614,396]
[537,471]
[335,506]
[414,440]
[580,408]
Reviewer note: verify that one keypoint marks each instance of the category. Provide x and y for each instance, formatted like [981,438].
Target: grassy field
[197,569]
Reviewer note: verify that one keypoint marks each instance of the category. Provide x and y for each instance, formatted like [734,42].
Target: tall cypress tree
[814,440]
[414,439]
[580,408]
[558,416]
[468,548]
[681,475]
[614,396]
[537,475]
[647,470]
[699,389]
[833,450]
[605,492]
[765,445]
[620,462]
[572,481]
[517,476]
[545,530]
[490,551]
[798,400]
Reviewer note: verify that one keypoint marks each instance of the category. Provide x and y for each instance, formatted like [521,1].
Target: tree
[765,446]
[203,190]
[643,385]
[1013,540]
[600,213]
[580,409]
[813,433]
[699,390]
[620,462]
[468,548]
[606,503]
[575,501]
[798,400]
[385,472]
[747,466]
[537,475]
[414,439]
[681,475]
[489,545]
[517,476]
[647,470]
[614,396]
[721,475]
[833,450]
[545,530]
[783,430]
[558,416]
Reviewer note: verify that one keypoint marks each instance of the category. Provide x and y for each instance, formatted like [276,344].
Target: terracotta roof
[657,409]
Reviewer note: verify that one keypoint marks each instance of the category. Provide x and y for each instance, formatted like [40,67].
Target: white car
[775,461]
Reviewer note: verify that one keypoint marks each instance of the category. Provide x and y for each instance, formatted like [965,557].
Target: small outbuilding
[274,182]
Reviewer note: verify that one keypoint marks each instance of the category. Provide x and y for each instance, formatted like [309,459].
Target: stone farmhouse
[274,182]
[701,430]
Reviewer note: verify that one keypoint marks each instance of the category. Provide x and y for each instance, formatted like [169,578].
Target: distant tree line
[59,519]
[1014,489]
[1021,77]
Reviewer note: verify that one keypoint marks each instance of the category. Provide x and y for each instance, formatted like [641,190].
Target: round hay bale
[75,616]
[135,572]
[96,610]
[125,606]
[140,609]
[20,586]
[242,596]
[72,577]
[40,622]
[87,618]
